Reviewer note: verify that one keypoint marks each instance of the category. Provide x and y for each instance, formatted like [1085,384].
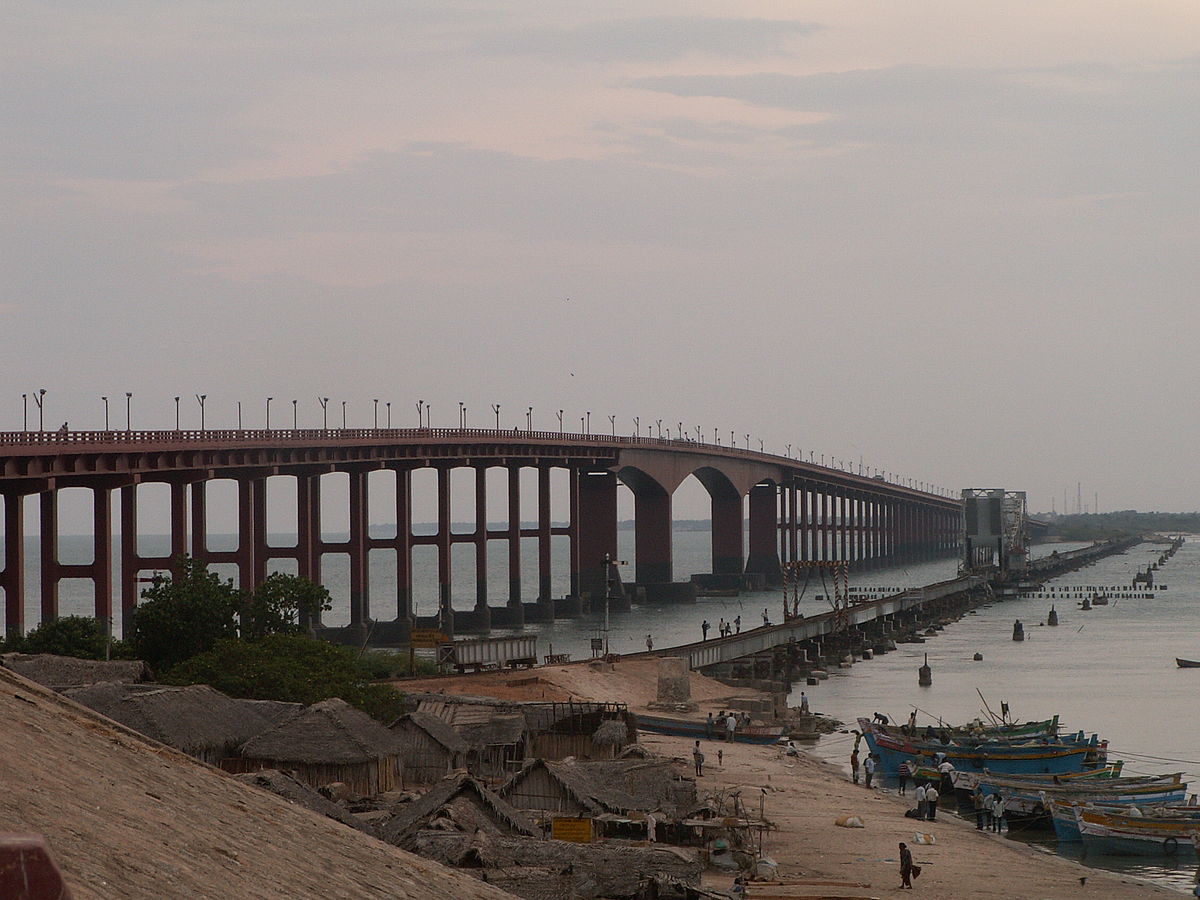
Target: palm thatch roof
[438,730]
[275,711]
[195,719]
[329,732]
[497,731]
[617,786]
[552,870]
[298,792]
[418,814]
[610,733]
[58,672]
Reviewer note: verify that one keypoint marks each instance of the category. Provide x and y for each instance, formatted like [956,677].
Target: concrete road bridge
[766,510]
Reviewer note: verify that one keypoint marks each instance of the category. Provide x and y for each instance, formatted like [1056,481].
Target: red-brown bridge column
[803,522]
[360,588]
[727,531]
[514,535]
[308,533]
[404,581]
[179,523]
[49,553]
[597,535]
[481,540]
[102,558]
[14,564]
[652,534]
[763,557]
[129,554]
[544,559]
[793,523]
[200,521]
[445,607]
[826,529]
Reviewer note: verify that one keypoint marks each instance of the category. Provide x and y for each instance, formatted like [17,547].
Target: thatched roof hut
[597,787]
[553,870]
[431,748]
[58,672]
[274,711]
[459,803]
[327,742]
[290,788]
[196,719]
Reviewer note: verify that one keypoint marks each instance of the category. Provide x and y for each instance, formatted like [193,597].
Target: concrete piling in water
[925,674]
[1018,631]
[1052,619]
[978,657]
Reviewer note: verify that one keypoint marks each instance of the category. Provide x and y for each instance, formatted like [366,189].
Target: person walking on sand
[854,765]
[730,726]
[698,757]
[931,799]
[869,768]
[902,774]
[921,793]
[906,866]
[998,810]
[704,626]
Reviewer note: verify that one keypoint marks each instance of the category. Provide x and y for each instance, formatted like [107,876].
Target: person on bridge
[721,627]
[766,618]
[649,643]
[738,622]
[704,626]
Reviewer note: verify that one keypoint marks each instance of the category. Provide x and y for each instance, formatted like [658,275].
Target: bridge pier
[764,550]
[597,539]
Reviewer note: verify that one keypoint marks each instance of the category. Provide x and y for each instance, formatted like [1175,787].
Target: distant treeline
[1120,523]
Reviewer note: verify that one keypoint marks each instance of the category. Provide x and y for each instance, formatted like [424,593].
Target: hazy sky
[957,240]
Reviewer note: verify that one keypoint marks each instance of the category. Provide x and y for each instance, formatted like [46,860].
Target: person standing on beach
[902,775]
[698,757]
[704,626]
[854,765]
[708,727]
[931,799]
[998,810]
[947,771]
[921,793]
[869,768]
[730,726]
[980,804]
[906,865]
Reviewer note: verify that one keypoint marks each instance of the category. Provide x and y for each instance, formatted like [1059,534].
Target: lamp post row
[424,420]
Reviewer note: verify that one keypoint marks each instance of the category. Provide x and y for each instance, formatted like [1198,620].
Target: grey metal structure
[995,533]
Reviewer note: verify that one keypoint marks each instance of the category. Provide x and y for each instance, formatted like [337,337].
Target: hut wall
[537,790]
[368,778]
[560,746]
[425,760]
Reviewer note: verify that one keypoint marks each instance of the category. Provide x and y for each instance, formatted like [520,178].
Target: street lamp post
[24,412]
[176,413]
[747,442]
[295,416]
[343,415]
[269,399]
[200,398]
[128,404]
[389,413]
[420,411]
[105,399]
[496,410]
[375,417]
[560,415]
[588,428]
[40,399]
[613,421]
[461,414]
[529,419]
[428,415]
[658,422]
[239,406]
[324,401]
[637,427]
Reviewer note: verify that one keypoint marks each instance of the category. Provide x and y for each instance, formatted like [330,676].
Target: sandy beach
[804,797]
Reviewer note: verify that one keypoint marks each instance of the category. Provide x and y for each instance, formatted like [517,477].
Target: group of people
[725,725]
[698,758]
[724,629]
[989,811]
[869,767]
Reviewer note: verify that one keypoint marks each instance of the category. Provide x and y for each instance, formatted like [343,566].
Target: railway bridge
[766,510]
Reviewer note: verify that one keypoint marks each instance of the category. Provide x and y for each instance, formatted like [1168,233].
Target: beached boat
[1113,834]
[968,781]
[1187,663]
[1029,758]
[698,728]
[1026,799]
[977,730]
[1066,822]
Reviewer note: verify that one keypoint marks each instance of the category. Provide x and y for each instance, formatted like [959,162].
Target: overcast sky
[955,240]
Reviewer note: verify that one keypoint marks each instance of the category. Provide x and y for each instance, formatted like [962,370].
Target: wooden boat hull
[1066,823]
[1187,663]
[1122,838]
[753,734]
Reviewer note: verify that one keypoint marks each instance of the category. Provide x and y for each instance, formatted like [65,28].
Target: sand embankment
[126,817]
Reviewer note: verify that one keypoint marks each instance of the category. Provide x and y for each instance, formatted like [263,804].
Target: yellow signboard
[426,637]
[571,829]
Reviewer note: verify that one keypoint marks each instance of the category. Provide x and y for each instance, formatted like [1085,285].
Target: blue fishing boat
[1066,822]
[698,728]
